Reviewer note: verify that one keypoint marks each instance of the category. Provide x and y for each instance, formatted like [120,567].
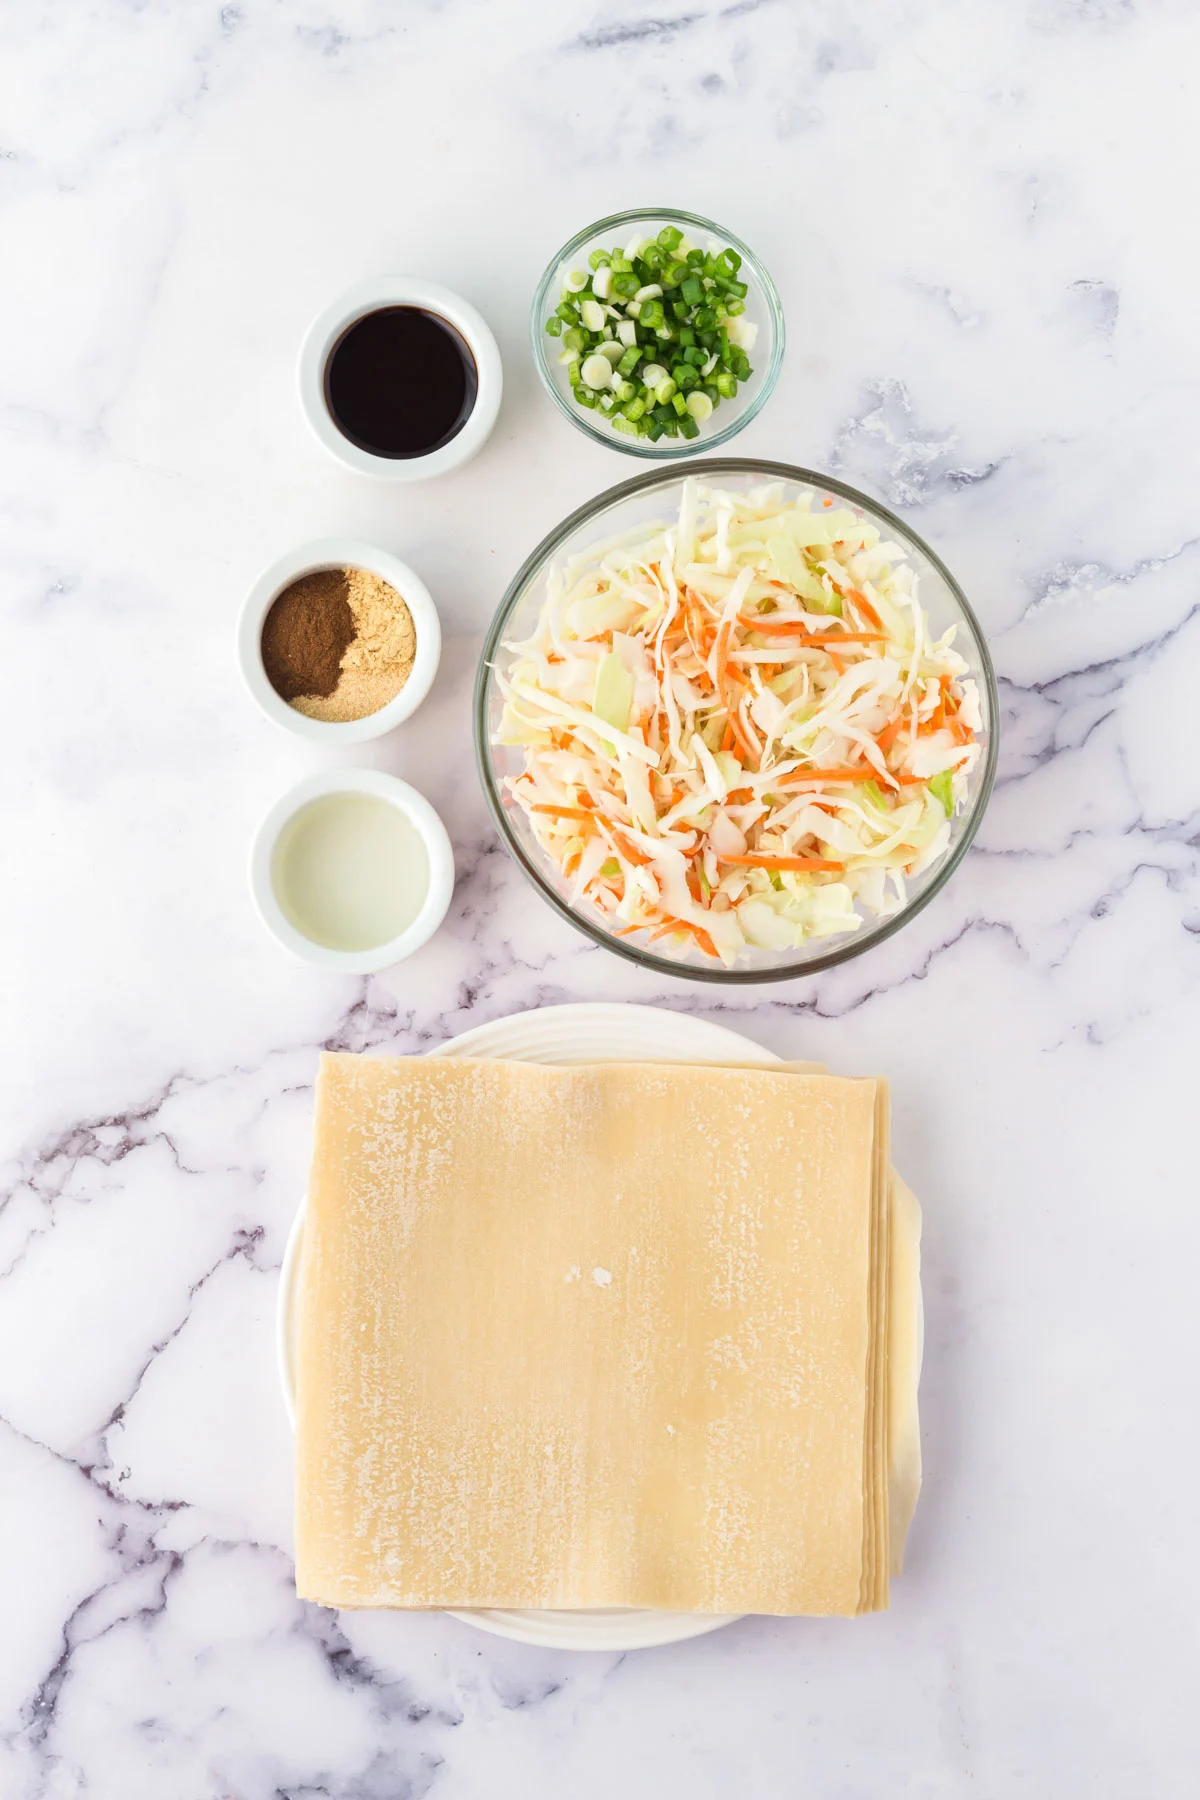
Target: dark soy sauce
[400,382]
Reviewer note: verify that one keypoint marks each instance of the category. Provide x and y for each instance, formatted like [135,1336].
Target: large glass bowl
[762,307]
[655,497]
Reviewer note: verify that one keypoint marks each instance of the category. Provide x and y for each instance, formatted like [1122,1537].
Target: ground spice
[374,659]
[306,634]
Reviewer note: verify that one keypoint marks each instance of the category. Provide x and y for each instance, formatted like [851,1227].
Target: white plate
[593,1032]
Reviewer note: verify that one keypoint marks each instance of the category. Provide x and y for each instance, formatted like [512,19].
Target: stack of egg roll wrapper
[613,1335]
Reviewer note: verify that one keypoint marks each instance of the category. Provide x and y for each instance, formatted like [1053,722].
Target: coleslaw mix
[736,728]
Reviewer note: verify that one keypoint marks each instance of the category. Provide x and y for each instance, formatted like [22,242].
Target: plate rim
[639,1628]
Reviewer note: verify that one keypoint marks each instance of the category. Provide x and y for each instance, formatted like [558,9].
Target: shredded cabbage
[738,730]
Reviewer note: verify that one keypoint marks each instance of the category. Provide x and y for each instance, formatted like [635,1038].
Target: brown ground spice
[374,660]
[306,634]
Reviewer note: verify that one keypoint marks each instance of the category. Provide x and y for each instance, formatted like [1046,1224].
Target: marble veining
[979,219]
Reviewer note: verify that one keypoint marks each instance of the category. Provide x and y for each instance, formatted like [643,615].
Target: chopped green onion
[644,336]
[597,372]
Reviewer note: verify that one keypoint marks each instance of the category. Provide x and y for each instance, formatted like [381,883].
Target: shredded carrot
[838,662]
[864,606]
[705,942]
[740,796]
[672,927]
[724,682]
[828,777]
[563,812]
[630,851]
[754,859]
[888,735]
[727,735]
[802,628]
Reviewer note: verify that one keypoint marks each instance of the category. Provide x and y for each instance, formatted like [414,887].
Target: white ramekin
[420,815]
[309,559]
[369,296]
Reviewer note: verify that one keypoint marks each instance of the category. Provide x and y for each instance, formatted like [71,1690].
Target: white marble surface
[981,219]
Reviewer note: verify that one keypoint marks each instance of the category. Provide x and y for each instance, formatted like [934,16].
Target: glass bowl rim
[647,959]
[614,439]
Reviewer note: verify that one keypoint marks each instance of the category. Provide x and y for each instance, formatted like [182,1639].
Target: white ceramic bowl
[368,297]
[420,815]
[309,559]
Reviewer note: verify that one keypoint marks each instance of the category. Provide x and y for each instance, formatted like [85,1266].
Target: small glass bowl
[655,498]
[762,309]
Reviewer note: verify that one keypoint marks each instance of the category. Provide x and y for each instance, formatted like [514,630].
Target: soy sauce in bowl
[400,382]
